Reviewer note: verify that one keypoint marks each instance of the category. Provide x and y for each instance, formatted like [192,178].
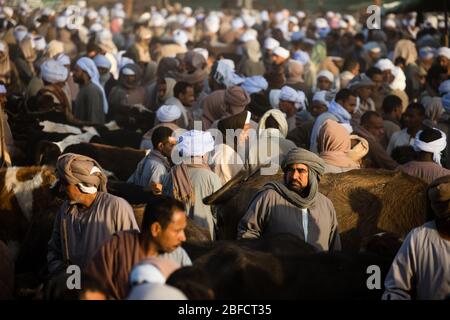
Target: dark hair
[434,72]
[350,63]
[160,209]
[430,134]
[193,282]
[367,116]
[180,87]
[344,94]
[403,154]
[272,123]
[400,60]
[161,134]
[373,71]
[391,102]
[359,37]
[418,107]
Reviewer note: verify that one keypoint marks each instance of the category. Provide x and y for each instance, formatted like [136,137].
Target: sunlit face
[166,147]
[171,237]
[296,177]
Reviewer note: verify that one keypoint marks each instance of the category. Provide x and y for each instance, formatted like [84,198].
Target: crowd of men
[325,92]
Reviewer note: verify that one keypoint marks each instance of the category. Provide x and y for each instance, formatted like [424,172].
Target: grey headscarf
[316,168]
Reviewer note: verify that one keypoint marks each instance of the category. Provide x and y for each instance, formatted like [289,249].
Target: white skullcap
[435,147]
[271,43]
[102,62]
[264,15]
[212,23]
[9,12]
[146,273]
[52,71]
[168,113]
[321,96]
[187,11]
[300,14]
[327,74]
[128,72]
[293,20]
[249,20]
[190,22]
[157,20]
[384,64]
[444,87]
[281,52]
[63,59]
[321,23]
[237,24]
[195,143]
[20,32]
[2,89]
[204,52]
[145,17]
[250,34]
[390,23]
[92,14]
[96,27]
[180,37]
[292,95]
[61,22]
[444,52]
[39,43]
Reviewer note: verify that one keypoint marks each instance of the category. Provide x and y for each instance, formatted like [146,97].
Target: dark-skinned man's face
[296,177]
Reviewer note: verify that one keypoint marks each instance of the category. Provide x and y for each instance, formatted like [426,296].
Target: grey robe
[89,104]
[87,230]
[204,182]
[270,213]
[421,269]
[150,169]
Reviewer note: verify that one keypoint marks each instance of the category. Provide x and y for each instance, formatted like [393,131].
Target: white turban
[237,24]
[157,21]
[20,32]
[271,43]
[279,116]
[180,37]
[255,84]
[124,61]
[384,64]
[281,52]
[168,113]
[63,59]
[127,72]
[435,147]
[327,74]
[88,66]
[61,22]
[52,71]
[39,43]
[190,22]
[195,143]
[226,75]
[274,97]
[399,82]
[8,11]
[444,87]
[444,51]
[427,53]
[212,24]
[321,23]
[320,96]
[204,52]
[102,62]
[146,273]
[2,89]
[292,95]
[250,34]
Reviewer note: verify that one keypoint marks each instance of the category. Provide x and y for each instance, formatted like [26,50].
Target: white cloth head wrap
[180,37]
[435,147]
[168,113]
[399,82]
[20,32]
[226,75]
[327,74]
[292,95]
[102,62]
[281,52]
[146,273]
[320,96]
[384,64]
[87,65]
[39,43]
[3,89]
[255,84]
[444,51]
[63,59]
[52,71]
[444,87]
[195,143]
[271,43]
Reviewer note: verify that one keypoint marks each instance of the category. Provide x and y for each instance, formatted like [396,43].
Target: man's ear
[159,146]
[155,229]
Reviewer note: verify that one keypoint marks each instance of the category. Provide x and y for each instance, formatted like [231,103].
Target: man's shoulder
[324,200]
[113,200]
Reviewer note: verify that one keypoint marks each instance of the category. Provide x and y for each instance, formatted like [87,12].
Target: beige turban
[79,170]
[237,98]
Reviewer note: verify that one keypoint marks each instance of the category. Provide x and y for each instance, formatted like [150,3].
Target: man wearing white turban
[107,79]
[191,179]
[444,58]
[292,102]
[90,104]
[428,143]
